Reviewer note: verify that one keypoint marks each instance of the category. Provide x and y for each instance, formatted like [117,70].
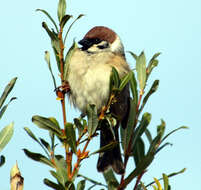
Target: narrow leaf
[142,165]
[53,185]
[158,184]
[79,126]
[148,135]
[170,175]
[2,111]
[61,170]
[141,71]
[92,119]
[133,85]
[125,80]
[70,135]
[81,185]
[5,135]
[106,148]
[161,128]
[67,59]
[146,118]
[91,180]
[47,58]
[152,63]
[182,127]
[133,55]
[38,157]
[165,181]
[110,179]
[115,78]
[30,133]
[81,15]
[64,20]
[153,89]
[48,15]
[128,131]
[139,151]
[61,9]
[7,90]
[46,123]
[45,144]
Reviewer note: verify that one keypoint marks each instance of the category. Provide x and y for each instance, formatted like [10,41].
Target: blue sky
[171,27]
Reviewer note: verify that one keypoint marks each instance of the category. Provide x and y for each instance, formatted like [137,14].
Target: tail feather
[111,158]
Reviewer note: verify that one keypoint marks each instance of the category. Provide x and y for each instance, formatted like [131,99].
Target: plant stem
[138,180]
[69,154]
[61,59]
[80,158]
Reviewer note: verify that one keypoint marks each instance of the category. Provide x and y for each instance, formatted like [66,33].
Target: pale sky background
[172,27]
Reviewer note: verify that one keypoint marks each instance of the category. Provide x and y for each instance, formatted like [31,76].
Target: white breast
[89,78]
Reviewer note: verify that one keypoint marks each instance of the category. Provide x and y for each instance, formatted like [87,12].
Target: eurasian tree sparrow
[89,79]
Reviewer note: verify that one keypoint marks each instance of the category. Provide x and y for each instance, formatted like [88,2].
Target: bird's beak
[85,43]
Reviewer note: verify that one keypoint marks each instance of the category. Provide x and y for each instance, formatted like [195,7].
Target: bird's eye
[103,45]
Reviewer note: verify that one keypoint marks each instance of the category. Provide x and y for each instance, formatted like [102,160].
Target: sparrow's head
[100,39]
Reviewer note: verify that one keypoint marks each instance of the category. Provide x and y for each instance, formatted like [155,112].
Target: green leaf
[110,179]
[7,90]
[5,135]
[61,11]
[47,124]
[128,131]
[115,78]
[81,15]
[79,126]
[105,148]
[64,20]
[91,180]
[67,59]
[154,144]
[48,15]
[170,175]
[61,170]
[47,58]
[53,185]
[161,128]
[146,118]
[70,135]
[152,63]
[124,81]
[148,135]
[133,55]
[92,119]
[163,146]
[81,185]
[141,71]
[142,165]
[38,157]
[45,144]
[165,181]
[55,43]
[2,111]
[133,85]
[153,89]
[139,151]
[2,160]
[182,127]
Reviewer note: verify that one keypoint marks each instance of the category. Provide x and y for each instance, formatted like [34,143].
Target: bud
[16,180]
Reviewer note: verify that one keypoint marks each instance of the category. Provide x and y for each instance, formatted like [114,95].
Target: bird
[90,68]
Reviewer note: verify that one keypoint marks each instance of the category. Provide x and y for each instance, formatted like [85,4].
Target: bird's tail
[111,158]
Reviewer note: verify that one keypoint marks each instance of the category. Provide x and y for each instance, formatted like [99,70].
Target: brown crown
[101,32]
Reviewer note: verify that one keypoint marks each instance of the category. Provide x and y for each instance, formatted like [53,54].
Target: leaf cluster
[7,132]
